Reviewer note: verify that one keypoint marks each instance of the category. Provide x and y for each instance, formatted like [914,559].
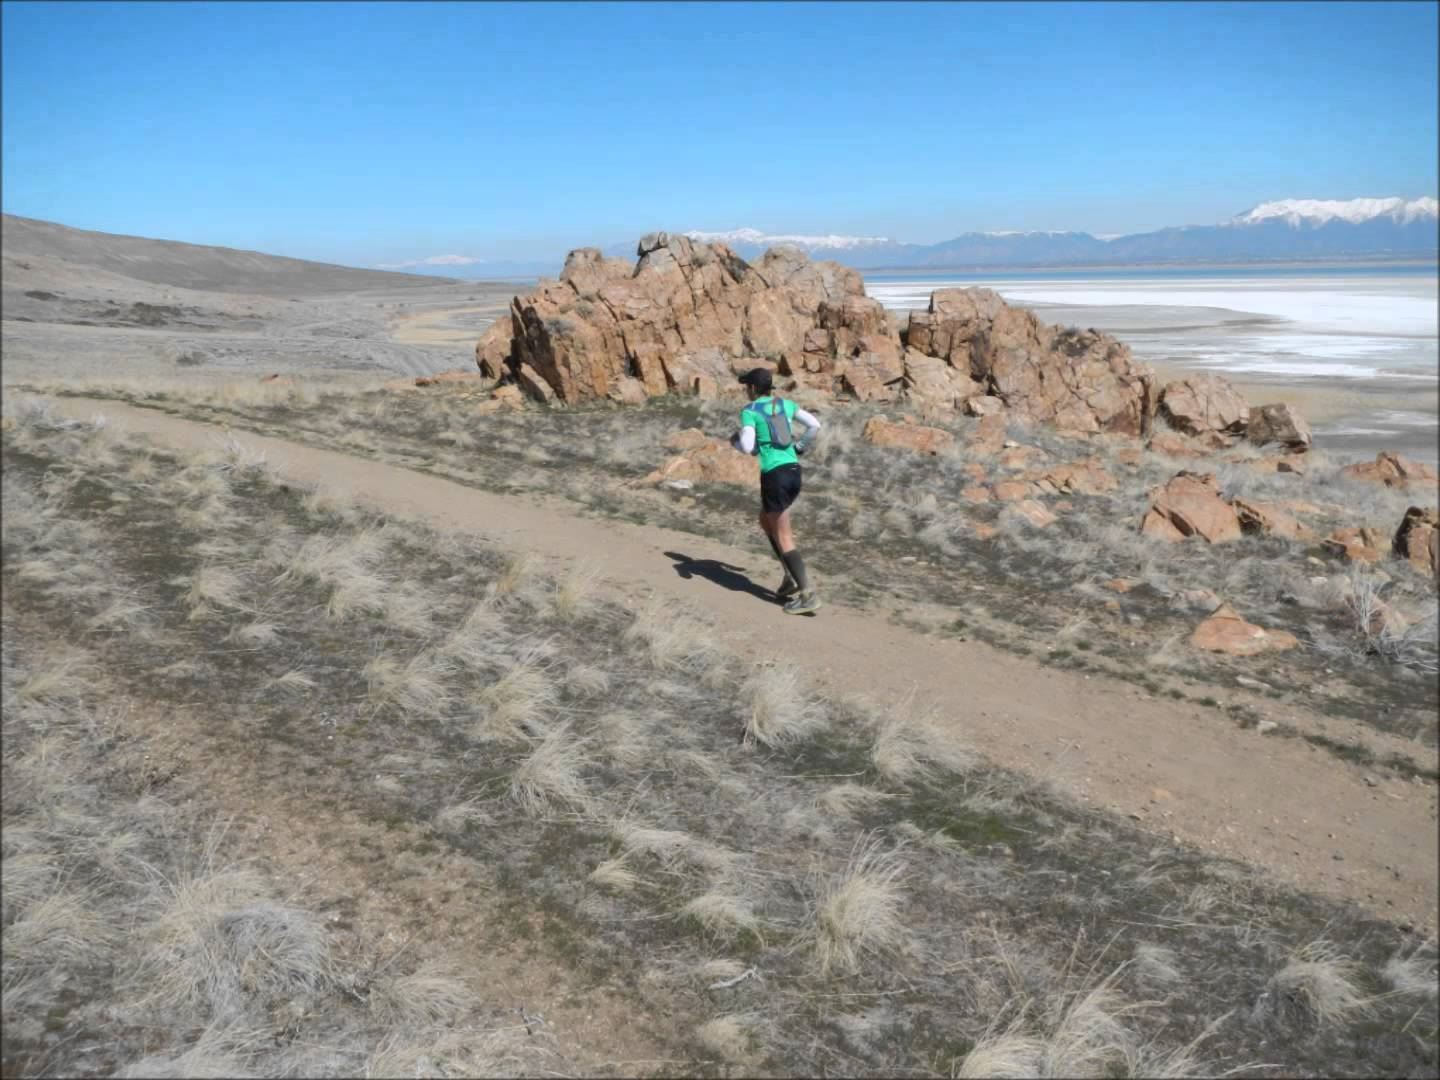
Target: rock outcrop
[1268,519]
[1226,632]
[713,461]
[1279,424]
[916,438]
[1190,505]
[1393,470]
[1417,540]
[1079,381]
[686,318]
[1204,405]
[1356,544]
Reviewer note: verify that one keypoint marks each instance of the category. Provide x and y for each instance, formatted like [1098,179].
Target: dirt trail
[1308,817]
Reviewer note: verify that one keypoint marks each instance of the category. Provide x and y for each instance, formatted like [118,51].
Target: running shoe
[804,604]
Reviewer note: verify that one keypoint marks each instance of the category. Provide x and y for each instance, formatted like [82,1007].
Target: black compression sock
[796,565]
[775,547]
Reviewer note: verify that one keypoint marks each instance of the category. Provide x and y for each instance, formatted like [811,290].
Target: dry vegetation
[776,882]
[889,530]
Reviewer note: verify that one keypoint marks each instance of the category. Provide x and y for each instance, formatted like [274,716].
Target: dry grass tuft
[417,688]
[1415,974]
[553,774]
[779,709]
[60,927]
[216,940]
[676,642]
[432,995]
[722,913]
[849,799]
[727,1037]
[859,911]
[614,874]
[1155,965]
[574,594]
[513,708]
[1319,985]
[910,743]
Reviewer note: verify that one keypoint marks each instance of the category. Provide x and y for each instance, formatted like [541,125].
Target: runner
[765,430]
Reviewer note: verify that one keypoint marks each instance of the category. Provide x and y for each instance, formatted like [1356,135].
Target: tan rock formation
[1269,519]
[1417,540]
[681,318]
[713,462]
[1080,381]
[495,347]
[1279,424]
[879,431]
[1226,632]
[1204,404]
[1394,470]
[1356,544]
[1190,505]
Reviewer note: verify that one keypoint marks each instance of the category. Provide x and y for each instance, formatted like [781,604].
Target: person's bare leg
[782,532]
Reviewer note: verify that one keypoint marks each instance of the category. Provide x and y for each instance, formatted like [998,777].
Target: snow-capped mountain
[1298,212]
[831,242]
[1286,229]
[1282,230]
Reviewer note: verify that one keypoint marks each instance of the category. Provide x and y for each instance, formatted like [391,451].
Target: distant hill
[1289,229]
[192,266]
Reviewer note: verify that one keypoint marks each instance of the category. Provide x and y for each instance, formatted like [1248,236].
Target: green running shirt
[754,416]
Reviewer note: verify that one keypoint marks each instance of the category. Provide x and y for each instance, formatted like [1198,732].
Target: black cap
[759,378]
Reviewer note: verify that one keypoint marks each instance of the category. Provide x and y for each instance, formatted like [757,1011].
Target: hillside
[193,266]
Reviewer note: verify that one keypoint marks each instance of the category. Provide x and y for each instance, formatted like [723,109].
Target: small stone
[1372,782]
[1266,726]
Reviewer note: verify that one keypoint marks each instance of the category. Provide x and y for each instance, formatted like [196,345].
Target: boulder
[1278,424]
[1019,457]
[689,439]
[1173,444]
[494,349]
[503,399]
[977,494]
[1393,470]
[931,382]
[714,462]
[1417,540]
[1033,514]
[532,385]
[1079,381]
[1014,490]
[879,431]
[975,471]
[1226,632]
[1269,519]
[1076,478]
[444,378]
[984,405]
[988,436]
[1203,405]
[1190,505]
[1356,544]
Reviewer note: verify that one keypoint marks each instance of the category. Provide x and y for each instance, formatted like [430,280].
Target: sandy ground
[1314,821]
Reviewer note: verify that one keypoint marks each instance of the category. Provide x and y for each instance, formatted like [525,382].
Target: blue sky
[371,132]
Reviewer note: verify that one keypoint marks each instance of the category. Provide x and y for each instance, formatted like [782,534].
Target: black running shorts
[779,488]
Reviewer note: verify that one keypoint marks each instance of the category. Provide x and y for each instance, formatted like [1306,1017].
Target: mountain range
[1286,230]
[1289,229]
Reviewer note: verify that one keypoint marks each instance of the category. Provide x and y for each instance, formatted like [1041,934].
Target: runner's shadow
[722,574]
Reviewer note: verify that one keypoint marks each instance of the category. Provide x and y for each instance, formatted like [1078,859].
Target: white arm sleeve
[746,445]
[812,425]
